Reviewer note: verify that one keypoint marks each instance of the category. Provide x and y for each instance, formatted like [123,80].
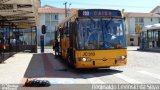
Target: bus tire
[70,62]
[108,67]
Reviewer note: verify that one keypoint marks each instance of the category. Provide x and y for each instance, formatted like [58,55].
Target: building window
[56,17]
[52,17]
[141,20]
[131,39]
[136,20]
[47,17]
[149,36]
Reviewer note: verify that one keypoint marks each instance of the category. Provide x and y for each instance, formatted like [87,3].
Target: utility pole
[65,9]
[69,8]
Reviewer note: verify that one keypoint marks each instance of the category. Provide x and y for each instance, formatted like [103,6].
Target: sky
[127,5]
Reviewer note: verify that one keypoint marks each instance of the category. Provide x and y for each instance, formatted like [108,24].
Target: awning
[19,13]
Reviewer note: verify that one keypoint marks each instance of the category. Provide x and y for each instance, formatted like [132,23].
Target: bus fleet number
[89,54]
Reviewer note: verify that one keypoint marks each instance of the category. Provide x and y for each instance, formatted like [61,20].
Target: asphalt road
[142,68]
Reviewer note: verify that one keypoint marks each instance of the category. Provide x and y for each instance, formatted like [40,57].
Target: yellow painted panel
[100,58]
[98,54]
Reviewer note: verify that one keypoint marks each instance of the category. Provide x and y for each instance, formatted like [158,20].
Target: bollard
[42,43]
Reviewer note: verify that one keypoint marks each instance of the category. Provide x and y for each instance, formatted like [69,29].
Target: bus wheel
[70,62]
[108,67]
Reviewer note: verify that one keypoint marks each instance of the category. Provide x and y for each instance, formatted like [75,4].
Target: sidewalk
[21,66]
[13,69]
[29,65]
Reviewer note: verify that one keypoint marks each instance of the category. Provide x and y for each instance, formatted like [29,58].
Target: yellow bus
[93,38]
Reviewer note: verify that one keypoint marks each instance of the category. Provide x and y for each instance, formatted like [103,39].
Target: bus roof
[92,13]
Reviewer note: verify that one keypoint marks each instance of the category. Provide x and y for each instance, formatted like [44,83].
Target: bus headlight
[121,57]
[85,59]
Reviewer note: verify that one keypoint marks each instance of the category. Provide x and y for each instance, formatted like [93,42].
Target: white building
[135,22]
[50,17]
[156,10]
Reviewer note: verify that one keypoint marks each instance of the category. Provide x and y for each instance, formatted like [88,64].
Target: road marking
[62,81]
[127,79]
[150,74]
[93,80]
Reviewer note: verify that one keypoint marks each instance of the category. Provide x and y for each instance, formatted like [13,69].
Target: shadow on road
[35,67]
[47,66]
[147,51]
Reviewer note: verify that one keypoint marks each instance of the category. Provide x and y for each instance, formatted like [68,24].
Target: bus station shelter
[18,24]
[150,37]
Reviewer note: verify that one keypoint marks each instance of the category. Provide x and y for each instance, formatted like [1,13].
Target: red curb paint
[48,68]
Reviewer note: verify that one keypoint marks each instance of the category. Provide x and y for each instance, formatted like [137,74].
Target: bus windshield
[100,33]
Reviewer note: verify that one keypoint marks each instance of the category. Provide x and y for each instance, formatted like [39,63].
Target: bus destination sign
[95,12]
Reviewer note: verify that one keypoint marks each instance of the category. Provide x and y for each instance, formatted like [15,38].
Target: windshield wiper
[109,22]
[91,19]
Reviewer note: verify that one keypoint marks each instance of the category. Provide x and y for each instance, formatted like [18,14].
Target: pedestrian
[56,47]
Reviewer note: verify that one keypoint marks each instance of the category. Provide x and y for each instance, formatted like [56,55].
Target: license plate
[120,61]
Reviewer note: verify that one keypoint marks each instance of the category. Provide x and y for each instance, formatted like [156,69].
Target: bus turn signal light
[121,57]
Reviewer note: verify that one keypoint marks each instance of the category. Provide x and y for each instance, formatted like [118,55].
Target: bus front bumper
[100,63]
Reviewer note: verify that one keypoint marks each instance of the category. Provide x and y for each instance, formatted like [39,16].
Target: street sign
[138,29]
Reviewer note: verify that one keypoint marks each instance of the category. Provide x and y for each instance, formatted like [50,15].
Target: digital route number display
[99,12]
